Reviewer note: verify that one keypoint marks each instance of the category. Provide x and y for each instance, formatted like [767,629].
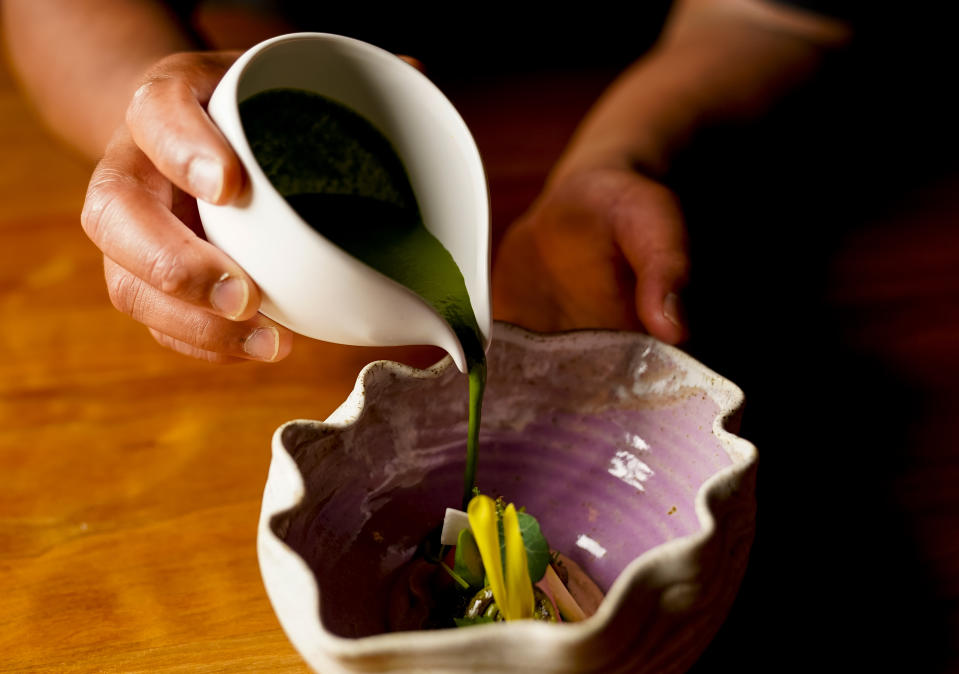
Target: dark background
[825,283]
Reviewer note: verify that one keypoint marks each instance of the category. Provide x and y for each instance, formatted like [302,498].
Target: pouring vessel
[309,284]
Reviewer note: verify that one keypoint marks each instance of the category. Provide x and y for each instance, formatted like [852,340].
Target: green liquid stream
[343,177]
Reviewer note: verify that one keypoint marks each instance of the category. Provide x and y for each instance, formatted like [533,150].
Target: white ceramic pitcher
[309,284]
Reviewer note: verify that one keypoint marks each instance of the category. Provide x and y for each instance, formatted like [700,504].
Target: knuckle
[180,73]
[142,98]
[169,272]
[125,291]
[152,91]
[203,332]
[168,68]
[174,64]
[163,66]
[103,197]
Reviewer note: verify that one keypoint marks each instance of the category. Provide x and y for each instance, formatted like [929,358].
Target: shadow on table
[835,580]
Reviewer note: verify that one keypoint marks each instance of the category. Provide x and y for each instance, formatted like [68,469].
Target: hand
[141,212]
[600,248]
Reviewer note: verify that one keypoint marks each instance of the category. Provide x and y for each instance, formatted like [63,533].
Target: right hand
[141,212]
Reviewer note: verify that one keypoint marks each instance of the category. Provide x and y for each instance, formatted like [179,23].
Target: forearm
[81,60]
[718,61]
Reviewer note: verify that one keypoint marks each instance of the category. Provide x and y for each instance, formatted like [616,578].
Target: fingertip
[268,343]
[675,315]
[217,181]
[235,297]
[663,316]
[206,179]
[233,179]
[285,344]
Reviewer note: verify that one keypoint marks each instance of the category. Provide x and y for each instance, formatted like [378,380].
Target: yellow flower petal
[482,517]
[519,587]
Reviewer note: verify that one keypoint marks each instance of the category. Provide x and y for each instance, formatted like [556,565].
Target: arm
[604,245]
[81,60]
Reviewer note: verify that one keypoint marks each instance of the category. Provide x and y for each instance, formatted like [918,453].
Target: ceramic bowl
[308,284]
[621,446]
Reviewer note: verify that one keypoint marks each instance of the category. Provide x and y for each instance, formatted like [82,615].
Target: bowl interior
[604,437]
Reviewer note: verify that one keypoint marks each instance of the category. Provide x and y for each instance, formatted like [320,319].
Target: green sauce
[343,178]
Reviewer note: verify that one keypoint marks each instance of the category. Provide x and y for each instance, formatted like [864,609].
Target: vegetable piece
[481,601]
[468,563]
[453,523]
[568,608]
[586,592]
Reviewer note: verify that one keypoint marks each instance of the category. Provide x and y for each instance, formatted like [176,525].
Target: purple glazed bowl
[621,446]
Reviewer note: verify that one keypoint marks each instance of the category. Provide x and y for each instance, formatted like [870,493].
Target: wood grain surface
[130,476]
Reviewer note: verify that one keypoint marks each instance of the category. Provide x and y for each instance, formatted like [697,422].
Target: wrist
[639,123]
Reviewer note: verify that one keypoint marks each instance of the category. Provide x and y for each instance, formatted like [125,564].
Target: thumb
[650,231]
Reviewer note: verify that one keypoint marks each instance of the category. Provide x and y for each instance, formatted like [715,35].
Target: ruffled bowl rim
[653,562]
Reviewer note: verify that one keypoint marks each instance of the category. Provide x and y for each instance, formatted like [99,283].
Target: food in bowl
[493,564]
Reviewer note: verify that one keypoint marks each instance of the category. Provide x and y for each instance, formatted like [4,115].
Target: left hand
[602,247]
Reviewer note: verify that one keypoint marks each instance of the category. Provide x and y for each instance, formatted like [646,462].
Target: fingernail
[206,178]
[263,344]
[230,295]
[673,310]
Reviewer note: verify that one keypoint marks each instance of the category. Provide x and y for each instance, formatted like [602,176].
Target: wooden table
[130,477]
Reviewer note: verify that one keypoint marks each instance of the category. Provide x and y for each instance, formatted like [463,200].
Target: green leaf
[537,550]
[468,564]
